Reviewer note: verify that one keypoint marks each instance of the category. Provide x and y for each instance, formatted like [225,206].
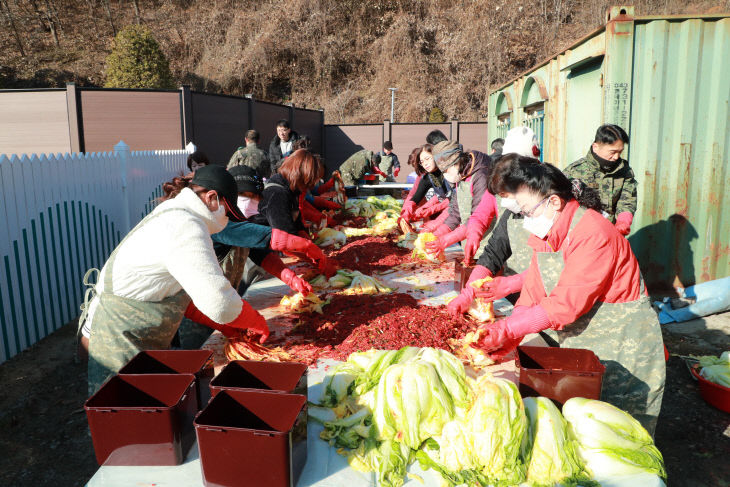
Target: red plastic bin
[559,373]
[252,438]
[714,394]
[196,362]
[289,377]
[143,419]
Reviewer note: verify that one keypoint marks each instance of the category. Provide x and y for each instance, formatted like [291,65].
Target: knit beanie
[446,154]
[520,140]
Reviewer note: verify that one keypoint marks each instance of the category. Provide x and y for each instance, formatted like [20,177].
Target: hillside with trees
[339,55]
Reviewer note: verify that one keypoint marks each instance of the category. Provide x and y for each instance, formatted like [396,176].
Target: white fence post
[121,150]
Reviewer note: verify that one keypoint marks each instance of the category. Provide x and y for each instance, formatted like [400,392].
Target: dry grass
[340,55]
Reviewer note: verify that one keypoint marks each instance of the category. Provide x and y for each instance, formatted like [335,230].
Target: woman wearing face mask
[240,241]
[585,288]
[429,178]
[472,207]
[283,198]
[507,251]
[163,269]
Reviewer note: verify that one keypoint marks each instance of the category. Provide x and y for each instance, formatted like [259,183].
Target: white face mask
[510,204]
[248,206]
[220,213]
[538,225]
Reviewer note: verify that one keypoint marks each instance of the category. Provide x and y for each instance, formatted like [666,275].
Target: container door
[583,109]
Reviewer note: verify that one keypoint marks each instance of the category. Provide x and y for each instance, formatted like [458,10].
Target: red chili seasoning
[370,254]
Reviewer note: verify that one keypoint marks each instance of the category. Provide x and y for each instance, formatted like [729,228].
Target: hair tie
[577,188]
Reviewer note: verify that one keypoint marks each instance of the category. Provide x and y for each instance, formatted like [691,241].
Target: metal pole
[392,104]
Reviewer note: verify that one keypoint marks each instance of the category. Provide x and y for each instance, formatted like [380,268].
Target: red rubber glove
[432,207]
[433,225]
[460,304]
[623,222]
[473,239]
[249,318]
[523,321]
[501,286]
[395,172]
[407,211]
[445,241]
[441,230]
[286,242]
[328,267]
[310,213]
[377,171]
[323,188]
[274,266]
[325,204]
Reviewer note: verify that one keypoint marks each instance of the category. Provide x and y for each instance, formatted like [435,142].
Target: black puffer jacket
[275,155]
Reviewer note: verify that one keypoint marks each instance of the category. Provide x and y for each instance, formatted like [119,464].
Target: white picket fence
[61,215]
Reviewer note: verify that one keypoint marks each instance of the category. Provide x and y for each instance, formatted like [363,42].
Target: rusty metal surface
[34,122]
[666,81]
[680,150]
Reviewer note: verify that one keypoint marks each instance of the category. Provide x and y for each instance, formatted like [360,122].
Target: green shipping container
[666,81]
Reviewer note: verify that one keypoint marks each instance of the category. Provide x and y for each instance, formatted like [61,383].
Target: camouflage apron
[626,338]
[521,256]
[122,327]
[385,165]
[192,335]
[464,199]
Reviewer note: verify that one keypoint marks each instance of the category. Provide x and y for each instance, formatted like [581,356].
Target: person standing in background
[604,170]
[282,144]
[252,156]
[389,163]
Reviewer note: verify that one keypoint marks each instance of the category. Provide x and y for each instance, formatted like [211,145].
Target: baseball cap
[216,178]
[247,179]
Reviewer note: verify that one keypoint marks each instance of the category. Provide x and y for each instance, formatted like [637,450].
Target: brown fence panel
[264,120]
[344,140]
[309,122]
[34,122]
[473,136]
[219,125]
[407,136]
[144,120]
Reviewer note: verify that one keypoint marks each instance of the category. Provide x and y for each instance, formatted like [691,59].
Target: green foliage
[136,61]
[436,115]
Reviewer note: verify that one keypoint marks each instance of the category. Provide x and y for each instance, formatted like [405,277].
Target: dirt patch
[46,441]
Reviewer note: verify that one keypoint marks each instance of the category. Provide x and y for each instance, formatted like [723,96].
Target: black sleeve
[396,162]
[276,205]
[423,185]
[257,256]
[498,249]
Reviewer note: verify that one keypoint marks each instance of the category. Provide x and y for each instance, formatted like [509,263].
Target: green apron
[627,339]
[123,327]
[385,165]
[521,256]
[464,199]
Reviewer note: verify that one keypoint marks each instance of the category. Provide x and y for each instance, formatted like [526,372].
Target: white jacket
[173,252]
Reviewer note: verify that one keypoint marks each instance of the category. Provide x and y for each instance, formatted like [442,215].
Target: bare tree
[51,19]
[109,15]
[137,15]
[11,20]
[90,3]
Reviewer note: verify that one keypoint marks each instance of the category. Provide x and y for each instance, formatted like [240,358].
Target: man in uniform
[604,170]
[357,165]
[252,156]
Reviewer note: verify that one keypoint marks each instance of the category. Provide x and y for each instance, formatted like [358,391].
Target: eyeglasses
[530,212]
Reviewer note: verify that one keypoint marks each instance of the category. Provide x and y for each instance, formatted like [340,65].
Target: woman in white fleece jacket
[163,269]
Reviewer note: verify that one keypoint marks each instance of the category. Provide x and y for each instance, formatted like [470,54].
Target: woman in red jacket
[583,287]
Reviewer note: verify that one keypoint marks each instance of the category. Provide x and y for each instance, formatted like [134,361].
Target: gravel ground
[46,441]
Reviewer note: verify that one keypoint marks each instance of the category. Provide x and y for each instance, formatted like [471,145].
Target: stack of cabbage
[384,409]
[716,369]
[373,204]
[353,282]
[330,236]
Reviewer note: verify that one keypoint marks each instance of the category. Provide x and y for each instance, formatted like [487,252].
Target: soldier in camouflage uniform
[603,169]
[584,289]
[357,165]
[252,156]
